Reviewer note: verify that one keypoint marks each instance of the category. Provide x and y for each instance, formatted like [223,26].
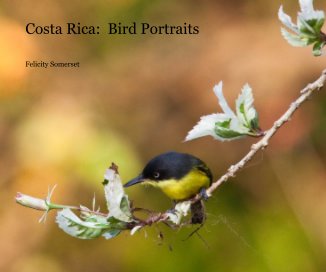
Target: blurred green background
[137,96]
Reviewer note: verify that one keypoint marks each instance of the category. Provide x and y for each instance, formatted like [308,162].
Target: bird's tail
[198,214]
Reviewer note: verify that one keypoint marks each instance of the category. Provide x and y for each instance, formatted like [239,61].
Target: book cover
[87,83]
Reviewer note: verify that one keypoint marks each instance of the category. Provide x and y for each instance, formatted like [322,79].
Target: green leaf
[116,224]
[224,124]
[115,227]
[316,24]
[319,24]
[254,123]
[227,133]
[125,206]
[306,28]
[317,48]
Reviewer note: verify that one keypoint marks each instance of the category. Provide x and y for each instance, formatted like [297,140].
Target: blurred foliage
[137,96]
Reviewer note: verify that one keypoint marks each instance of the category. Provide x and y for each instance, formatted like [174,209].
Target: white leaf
[293,39]
[117,200]
[74,226]
[221,100]
[206,126]
[286,20]
[244,106]
[308,12]
[306,6]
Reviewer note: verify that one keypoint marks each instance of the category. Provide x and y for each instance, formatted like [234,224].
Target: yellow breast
[184,188]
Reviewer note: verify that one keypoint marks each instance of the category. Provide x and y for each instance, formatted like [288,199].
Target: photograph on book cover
[217,107]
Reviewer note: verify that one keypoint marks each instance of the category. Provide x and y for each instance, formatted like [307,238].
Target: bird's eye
[156,175]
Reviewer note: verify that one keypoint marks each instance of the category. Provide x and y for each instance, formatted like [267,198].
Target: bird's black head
[170,165]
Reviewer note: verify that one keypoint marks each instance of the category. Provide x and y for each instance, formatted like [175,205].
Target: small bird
[180,176]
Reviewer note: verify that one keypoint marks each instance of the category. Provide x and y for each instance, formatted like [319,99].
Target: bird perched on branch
[180,176]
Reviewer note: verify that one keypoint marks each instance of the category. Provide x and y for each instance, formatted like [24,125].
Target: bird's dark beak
[134,181]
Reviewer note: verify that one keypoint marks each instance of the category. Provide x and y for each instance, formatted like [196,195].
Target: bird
[180,176]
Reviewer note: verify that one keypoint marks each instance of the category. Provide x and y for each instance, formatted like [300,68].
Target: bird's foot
[203,194]
[172,210]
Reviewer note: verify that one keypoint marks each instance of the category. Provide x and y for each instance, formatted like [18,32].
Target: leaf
[286,20]
[111,234]
[317,49]
[115,227]
[308,28]
[306,6]
[74,226]
[117,201]
[221,100]
[254,123]
[206,127]
[244,107]
[91,226]
[319,24]
[308,12]
[228,126]
[227,133]
[125,206]
[293,39]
